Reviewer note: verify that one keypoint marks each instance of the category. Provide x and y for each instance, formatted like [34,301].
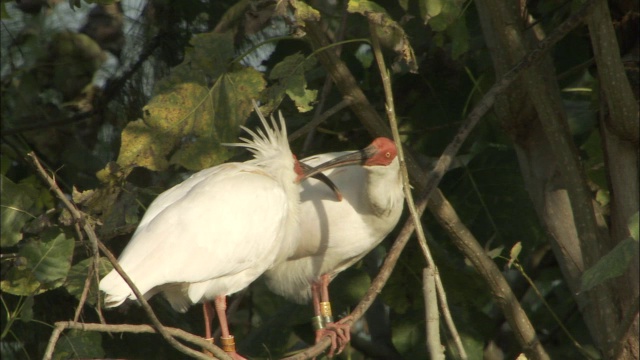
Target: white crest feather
[268,144]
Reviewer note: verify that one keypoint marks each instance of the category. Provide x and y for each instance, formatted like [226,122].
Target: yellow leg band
[228,344]
[325,308]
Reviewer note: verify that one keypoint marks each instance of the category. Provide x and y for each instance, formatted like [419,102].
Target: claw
[342,331]
[331,335]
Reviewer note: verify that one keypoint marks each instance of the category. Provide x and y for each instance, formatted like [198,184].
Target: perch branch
[60,326]
[432,318]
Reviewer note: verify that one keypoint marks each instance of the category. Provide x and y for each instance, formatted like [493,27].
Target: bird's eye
[387,154]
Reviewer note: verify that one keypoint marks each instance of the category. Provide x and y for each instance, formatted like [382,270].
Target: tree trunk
[533,115]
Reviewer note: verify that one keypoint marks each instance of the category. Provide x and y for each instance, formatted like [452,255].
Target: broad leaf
[290,74]
[199,106]
[49,258]
[614,264]
[77,344]
[17,203]
[21,282]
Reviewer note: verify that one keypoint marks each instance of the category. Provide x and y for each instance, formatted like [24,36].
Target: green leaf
[49,258]
[450,12]
[78,274]
[142,146]
[614,264]
[290,74]
[513,254]
[17,202]
[430,8]
[200,105]
[459,38]
[21,282]
[77,344]
[192,119]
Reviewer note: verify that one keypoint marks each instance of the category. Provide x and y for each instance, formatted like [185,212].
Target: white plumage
[228,223]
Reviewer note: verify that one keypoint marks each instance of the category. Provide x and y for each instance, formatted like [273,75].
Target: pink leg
[208,316]
[321,331]
[226,340]
[340,328]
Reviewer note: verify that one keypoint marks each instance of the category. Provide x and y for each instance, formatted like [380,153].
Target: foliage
[112,149]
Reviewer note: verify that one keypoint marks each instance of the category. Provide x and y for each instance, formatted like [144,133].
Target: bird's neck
[383,188]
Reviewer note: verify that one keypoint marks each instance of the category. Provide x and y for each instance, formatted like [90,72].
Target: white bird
[216,232]
[335,235]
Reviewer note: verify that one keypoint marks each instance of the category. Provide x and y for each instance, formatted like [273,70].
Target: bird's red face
[381,152]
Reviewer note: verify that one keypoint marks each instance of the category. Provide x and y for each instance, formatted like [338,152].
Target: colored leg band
[325,308]
[228,344]
[317,323]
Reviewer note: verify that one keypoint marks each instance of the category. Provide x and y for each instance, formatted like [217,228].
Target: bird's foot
[342,329]
[320,333]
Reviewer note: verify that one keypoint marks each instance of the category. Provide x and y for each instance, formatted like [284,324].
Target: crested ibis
[335,235]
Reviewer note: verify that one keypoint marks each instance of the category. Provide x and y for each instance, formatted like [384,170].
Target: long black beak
[359,157]
[322,177]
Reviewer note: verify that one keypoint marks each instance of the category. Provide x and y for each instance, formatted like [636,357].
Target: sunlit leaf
[430,8]
[448,14]
[514,252]
[614,264]
[143,146]
[290,74]
[20,282]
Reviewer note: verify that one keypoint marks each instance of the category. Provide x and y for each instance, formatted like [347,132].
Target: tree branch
[60,326]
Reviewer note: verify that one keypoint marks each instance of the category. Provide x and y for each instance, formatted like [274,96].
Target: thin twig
[328,84]
[60,326]
[433,337]
[79,217]
[347,101]
[432,317]
[85,292]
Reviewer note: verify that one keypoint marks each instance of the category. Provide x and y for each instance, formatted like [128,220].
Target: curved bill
[358,157]
[322,177]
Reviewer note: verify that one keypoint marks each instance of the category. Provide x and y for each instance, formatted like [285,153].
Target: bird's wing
[173,194]
[225,223]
